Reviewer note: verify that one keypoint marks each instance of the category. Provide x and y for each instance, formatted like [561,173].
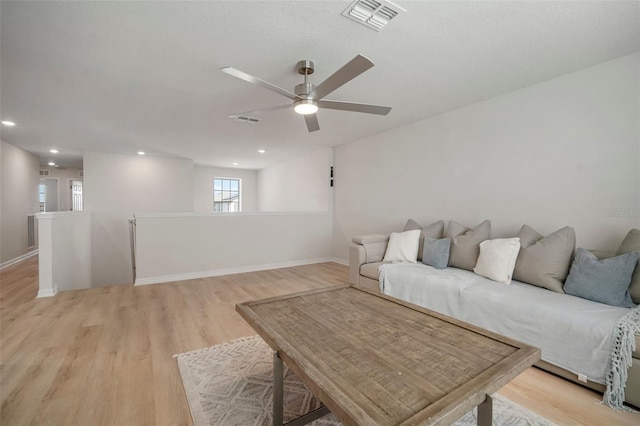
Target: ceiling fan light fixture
[306,106]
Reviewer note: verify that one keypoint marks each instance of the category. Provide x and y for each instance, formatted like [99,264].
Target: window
[226,195]
[42,193]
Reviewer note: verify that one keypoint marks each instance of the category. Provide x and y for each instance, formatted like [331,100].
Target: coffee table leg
[485,412]
[278,406]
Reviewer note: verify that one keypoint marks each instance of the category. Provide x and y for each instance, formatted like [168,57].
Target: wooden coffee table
[375,360]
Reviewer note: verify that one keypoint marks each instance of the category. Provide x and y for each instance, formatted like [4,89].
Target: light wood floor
[104,356]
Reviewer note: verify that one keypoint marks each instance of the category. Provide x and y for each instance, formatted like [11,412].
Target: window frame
[221,178]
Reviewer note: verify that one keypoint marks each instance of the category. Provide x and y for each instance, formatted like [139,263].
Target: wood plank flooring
[103,356]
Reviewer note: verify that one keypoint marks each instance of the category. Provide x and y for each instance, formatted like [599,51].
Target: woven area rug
[231,384]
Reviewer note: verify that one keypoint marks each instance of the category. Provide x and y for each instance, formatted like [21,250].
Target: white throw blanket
[576,334]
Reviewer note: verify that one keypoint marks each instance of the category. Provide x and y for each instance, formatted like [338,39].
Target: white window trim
[239,193]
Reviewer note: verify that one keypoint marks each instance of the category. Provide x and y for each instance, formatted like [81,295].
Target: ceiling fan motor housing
[303,89]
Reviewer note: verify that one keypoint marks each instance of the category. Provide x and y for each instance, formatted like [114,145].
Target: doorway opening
[48,195]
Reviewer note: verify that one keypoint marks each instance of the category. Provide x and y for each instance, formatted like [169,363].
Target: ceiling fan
[309,97]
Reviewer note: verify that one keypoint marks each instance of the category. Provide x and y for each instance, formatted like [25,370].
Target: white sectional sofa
[575,335]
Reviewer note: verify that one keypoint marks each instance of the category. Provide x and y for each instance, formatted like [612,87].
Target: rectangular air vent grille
[31,231]
[244,119]
[374,14]
[81,173]
[44,172]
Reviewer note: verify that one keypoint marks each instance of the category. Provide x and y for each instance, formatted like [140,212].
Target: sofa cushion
[436,252]
[370,270]
[545,261]
[435,230]
[497,259]
[605,281]
[465,243]
[402,247]
[630,244]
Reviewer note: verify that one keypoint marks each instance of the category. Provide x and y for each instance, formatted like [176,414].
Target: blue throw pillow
[436,252]
[605,281]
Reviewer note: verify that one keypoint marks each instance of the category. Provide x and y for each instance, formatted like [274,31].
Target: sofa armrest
[365,249]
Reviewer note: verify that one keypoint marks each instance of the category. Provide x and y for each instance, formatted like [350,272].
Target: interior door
[76,195]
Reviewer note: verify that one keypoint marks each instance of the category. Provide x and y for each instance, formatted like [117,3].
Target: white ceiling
[127,76]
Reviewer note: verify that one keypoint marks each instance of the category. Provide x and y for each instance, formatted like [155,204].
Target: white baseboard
[229,271]
[18,259]
[47,292]
[340,261]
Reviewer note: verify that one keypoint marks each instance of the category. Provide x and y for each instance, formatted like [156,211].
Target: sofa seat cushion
[370,270]
[573,333]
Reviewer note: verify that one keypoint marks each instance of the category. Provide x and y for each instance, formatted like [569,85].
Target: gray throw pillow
[631,243]
[435,230]
[436,252]
[465,243]
[545,261]
[605,281]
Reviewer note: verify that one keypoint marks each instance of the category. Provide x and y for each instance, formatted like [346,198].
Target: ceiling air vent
[245,119]
[44,172]
[374,14]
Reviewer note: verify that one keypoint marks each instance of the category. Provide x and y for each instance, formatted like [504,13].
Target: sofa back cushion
[605,281]
[435,230]
[631,243]
[465,243]
[545,261]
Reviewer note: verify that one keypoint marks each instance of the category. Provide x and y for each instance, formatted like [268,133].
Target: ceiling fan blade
[258,111]
[255,80]
[349,71]
[351,106]
[312,122]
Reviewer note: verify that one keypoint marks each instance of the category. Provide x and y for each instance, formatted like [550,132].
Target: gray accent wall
[562,152]
[18,198]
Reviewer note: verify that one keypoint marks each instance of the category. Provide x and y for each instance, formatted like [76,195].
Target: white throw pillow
[497,259]
[403,247]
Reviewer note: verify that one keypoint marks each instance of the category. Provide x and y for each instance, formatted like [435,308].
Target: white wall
[116,186]
[18,198]
[178,247]
[64,176]
[301,184]
[65,252]
[203,187]
[562,152]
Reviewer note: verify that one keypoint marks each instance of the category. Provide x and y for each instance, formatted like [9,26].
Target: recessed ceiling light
[234,163]
[140,152]
[53,151]
[8,123]
[261,151]
[52,163]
